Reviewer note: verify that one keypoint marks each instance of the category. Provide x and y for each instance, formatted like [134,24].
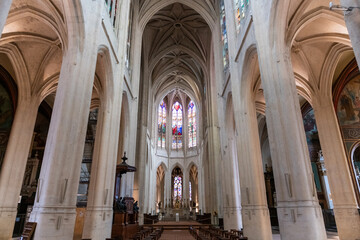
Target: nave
[237,114]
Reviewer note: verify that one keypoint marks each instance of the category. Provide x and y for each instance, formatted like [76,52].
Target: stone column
[152,188]
[4,11]
[298,208]
[352,20]
[130,152]
[255,212]
[13,168]
[201,192]
[141,157]
[324,180]
[55,206]
[232,197]
[185,187]
[214,145]
[342,189]
[98,218]
[167,190]
[162,194]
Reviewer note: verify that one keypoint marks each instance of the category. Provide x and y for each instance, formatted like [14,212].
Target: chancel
[160,119]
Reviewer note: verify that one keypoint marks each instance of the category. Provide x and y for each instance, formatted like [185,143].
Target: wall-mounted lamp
[340,8]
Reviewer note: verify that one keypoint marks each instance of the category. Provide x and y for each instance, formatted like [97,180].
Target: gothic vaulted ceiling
[176,44]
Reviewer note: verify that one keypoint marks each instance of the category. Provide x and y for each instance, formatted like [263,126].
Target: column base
[301,222]
[54,223]
[98,223]
[232,218]
[141,219]
[7,222]
[256,222]
[347,222]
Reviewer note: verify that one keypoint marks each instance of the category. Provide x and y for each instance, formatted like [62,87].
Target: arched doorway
[193,189]
[160,187]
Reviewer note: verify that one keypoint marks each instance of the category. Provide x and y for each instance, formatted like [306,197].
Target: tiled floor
[185,235]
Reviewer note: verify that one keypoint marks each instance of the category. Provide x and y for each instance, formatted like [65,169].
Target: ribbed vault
[177,47]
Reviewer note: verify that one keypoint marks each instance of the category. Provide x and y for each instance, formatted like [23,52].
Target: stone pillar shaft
[232,197]
[201,190]
[4,11]
[297,204]
[336,163]
[255,212]
[186,186]
[168,188]
[99,211]
[55,208]
[98,218]
[13,168]
[352,20]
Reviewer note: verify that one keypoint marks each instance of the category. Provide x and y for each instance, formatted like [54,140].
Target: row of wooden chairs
[105,239]
[213,233]
[148,234]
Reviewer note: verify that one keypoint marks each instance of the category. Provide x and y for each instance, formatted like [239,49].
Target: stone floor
[176,235]
[185,235]
[330,235]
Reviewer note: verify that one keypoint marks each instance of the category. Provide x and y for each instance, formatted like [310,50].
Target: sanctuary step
[181,225]
[177,226]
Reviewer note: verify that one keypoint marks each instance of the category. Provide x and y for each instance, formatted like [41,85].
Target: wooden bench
[29,230]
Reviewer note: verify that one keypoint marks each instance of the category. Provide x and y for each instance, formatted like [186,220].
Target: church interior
[179,119]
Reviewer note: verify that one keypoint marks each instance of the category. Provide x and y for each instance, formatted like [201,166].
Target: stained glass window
[240,10]
[224,38]
[110,7]
[192,124]
[162,125]
[128,43]
[189,191]
[177,126]
[177,187]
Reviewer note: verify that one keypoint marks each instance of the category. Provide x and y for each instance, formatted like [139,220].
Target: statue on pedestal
[120,205]
[136,207]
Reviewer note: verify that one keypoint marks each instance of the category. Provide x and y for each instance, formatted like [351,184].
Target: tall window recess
[112,7]
[177,188]
[240,11]
[162,125]
[177,126]
[192,124]
[224,38]
[128,42]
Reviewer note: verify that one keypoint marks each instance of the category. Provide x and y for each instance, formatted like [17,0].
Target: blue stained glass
[241,7]
[177,187]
